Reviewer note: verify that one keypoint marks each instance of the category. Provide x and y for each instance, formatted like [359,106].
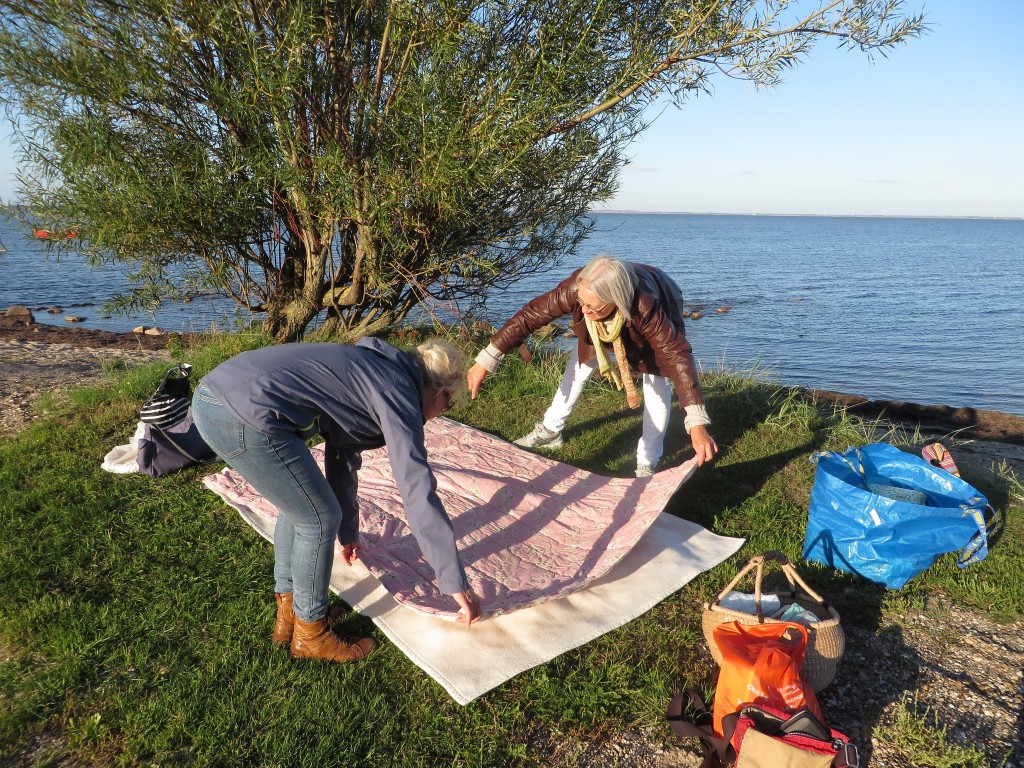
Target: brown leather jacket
[654,339]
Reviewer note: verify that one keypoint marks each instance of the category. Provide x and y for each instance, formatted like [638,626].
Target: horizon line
[816,215]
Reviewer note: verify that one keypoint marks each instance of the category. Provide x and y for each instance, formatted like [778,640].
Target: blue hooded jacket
[357,397]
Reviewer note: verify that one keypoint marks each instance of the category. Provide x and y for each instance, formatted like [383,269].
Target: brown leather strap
[716,750]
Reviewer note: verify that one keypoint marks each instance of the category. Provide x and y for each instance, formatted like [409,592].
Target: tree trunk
[336,329]
[288,323]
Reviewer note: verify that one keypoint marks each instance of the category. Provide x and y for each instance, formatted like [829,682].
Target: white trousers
[657,392]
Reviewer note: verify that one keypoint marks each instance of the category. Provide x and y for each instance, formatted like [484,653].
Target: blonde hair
[443,365]
[611,280]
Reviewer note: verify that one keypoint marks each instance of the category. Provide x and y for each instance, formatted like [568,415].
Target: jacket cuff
[453,586]
[696,416]
[490,358]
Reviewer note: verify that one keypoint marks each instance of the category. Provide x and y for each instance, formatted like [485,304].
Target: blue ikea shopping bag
[866,515]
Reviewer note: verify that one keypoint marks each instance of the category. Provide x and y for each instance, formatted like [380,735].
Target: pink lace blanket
[529,529]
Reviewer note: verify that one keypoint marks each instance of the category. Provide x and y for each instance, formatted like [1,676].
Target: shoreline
[965,422]
[971,423]
[15,330]
[634,212]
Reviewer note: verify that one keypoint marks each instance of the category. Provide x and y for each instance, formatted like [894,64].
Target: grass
[134,624]
[921,741]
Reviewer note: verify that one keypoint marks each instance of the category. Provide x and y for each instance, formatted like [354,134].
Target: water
[40,282]
[921,310]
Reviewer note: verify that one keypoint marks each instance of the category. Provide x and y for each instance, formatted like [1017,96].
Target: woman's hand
[704,445]
[474,378]
[470,607]
[350,553]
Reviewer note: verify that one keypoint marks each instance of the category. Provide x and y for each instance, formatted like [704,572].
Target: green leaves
[313,157]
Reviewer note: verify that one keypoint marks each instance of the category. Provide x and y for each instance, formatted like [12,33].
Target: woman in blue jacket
[258,409]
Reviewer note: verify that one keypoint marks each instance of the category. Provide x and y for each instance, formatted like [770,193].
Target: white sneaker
[540,437]
[646,470]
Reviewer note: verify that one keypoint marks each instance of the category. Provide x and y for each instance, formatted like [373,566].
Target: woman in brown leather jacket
[633,311]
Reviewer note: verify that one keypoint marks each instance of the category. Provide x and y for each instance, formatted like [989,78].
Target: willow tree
[351,160]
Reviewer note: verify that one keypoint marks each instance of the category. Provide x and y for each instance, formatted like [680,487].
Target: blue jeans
[283,471]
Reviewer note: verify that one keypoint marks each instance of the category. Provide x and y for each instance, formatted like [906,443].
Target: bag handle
[977,548]
[175,372]
[788,570]
[717,751]
[175,445]
[179,373]
[857,469]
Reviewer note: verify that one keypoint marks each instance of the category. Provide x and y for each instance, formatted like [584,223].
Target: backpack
[761,736]
[163,450]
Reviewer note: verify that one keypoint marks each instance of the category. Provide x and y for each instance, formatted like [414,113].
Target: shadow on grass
[875,673]
[612,436]
[729,485]
[716,486]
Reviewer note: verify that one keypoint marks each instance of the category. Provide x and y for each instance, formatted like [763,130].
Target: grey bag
[163,450]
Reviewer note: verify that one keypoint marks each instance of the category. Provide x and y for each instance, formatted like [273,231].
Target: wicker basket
[826,641]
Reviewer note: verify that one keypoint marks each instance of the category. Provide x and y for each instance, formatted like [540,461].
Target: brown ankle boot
[285,619]
[315,640]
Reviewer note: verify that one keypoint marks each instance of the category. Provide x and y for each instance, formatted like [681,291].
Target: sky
[934,128]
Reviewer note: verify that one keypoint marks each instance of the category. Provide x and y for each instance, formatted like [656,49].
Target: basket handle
[788,570]
[776,556]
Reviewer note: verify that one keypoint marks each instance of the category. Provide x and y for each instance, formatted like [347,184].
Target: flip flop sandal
[937,455]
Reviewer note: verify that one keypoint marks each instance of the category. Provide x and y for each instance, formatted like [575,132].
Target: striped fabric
[164,411]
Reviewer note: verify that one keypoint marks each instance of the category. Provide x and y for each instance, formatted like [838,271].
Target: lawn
[136,612]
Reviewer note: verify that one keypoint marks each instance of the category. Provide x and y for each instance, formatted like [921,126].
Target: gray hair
[443,365]
[611,280]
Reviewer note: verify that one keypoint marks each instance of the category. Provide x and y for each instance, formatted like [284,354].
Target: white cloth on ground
[469,662]
[121,459]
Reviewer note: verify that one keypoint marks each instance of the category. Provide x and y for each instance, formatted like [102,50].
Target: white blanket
[470,662]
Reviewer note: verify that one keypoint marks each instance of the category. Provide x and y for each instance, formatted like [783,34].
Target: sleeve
[696,416]
[536,313]
[402,425]
[341,467]
[490,357]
